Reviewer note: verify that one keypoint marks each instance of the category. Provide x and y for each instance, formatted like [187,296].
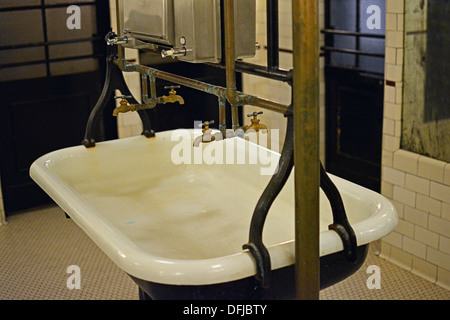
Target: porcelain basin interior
[186,223]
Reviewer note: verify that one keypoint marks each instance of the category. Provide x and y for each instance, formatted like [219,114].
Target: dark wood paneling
[39,116]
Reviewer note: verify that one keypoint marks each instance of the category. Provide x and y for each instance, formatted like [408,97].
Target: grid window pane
[24,72]
[57,27]
[70,50]
[18,3]
[49,2]
[73,66]
[22,55]
[21,27]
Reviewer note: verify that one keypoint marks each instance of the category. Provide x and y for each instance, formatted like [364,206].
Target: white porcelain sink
[185,224]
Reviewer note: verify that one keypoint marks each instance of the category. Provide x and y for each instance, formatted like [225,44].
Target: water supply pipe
[230,62]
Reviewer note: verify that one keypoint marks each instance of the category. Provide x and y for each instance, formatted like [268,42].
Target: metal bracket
[113,80]
[340,222]
[276,183]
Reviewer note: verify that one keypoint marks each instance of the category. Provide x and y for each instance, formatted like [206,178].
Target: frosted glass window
[49,2]
[73,66]
[21,27]
[24,72]
[57,28]
[343,18]
[30,33]
[22,55]
[18,3]
[352,15]
[364,15]
[70,50]
[373,45]
[343,14]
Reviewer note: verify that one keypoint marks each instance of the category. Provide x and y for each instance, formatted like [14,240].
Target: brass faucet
[172,97]
[255,125]
[207,135]
[149,104]
[124,106]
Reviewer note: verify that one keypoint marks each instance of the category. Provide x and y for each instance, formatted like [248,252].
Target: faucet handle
[206,124]
[173,53]
[112,39]
[254,114]
[123,97]
[172,89]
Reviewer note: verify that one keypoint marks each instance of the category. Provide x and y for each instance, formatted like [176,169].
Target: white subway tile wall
[406,161]
[419,186]
[128,124]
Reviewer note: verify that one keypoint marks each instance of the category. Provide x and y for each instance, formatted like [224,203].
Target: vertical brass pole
[230,61]
[306,147]
[120,49]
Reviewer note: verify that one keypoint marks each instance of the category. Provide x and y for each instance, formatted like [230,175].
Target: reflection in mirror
[426,109]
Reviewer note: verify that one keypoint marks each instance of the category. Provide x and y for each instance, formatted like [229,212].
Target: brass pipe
[144,89]
[306,147]
[120,49]
[187,82]
[230,62]
[222,117]
[152,87]
[219,91]
[262,103]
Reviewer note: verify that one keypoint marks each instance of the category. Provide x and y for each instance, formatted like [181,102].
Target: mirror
[426,109]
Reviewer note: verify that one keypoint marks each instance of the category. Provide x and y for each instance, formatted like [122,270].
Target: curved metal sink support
[113,80]
[340,221]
